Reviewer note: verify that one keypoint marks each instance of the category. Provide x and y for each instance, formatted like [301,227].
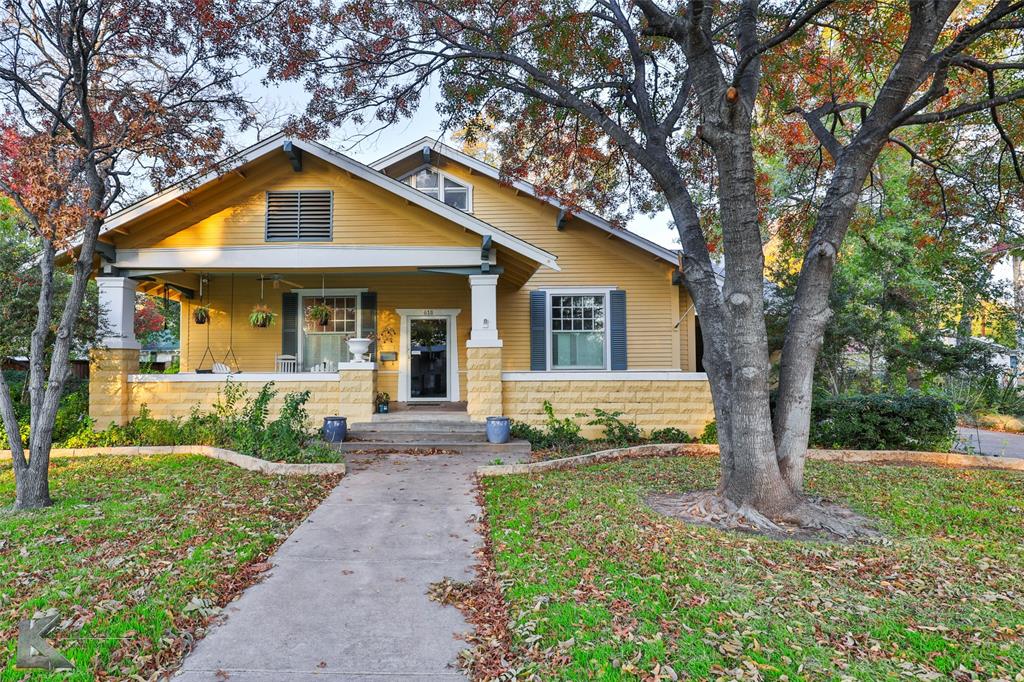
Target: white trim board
[490,171]
[404,373]
[262,377]
[627,375]
[277,256]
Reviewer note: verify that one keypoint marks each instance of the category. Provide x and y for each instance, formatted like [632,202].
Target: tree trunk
[32,484]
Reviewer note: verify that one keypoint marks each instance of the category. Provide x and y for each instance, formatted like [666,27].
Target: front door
[428,364]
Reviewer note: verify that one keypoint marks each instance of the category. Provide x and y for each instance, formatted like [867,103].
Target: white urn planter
[358,348]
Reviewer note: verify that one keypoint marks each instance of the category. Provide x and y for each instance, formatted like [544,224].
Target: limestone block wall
[356,391]
[108,386]
[483,383]
[652,404]
[117,393]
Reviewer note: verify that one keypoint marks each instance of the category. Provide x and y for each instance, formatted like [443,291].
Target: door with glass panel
[325,339]
[428,364]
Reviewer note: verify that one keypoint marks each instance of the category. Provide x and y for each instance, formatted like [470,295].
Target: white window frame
[440,185]
[324,293]
[549,331]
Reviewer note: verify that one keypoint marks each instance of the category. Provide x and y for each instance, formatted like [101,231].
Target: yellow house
[422,275]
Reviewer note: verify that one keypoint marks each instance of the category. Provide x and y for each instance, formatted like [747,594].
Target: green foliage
[710,434]
[72,413]
[670,434]
[884,421]
[238,421]
[556,432]
[616,431]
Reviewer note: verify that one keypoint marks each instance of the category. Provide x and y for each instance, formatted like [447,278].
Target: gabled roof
[345,163]
[488,170]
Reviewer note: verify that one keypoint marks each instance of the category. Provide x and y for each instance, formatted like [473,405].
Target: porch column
[117,355]
[483,351]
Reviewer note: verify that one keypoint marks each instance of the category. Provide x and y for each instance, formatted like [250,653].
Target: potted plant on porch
[319,314]
[201,314]
[261,316]
[381,402]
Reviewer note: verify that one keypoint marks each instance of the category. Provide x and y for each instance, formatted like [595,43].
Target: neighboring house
[473,291]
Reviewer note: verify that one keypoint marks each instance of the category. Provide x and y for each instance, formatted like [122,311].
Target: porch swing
[204,284]
[224,366]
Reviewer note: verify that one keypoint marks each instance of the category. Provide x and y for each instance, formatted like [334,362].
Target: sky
[291,98]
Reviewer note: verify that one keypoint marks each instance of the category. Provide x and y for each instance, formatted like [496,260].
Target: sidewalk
[346,598]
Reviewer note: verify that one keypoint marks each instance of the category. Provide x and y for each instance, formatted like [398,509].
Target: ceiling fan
[277,280]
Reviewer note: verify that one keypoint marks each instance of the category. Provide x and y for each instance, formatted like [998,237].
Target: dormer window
[440,186]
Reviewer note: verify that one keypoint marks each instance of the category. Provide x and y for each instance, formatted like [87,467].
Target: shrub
[710,434]
[884,421]
[670,435]
[616,431]
[556,432]
[238,421]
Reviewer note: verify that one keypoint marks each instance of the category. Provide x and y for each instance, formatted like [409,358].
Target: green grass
[613,590]
[128,545]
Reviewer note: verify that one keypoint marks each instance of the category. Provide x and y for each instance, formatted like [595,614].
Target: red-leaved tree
[94,93]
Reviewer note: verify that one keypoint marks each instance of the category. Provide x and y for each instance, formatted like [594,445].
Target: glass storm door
[428,367]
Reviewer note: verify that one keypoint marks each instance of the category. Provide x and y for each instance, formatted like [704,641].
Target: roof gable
[477,166]
[178,193]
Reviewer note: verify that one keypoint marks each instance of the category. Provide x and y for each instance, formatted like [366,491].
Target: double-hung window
[441,186]
[578,330]
[325,345]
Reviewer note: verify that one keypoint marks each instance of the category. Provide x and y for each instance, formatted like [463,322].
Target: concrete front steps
[450,431]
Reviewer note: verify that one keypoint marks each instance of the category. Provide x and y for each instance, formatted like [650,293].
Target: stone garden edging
[946,459]
[229,456]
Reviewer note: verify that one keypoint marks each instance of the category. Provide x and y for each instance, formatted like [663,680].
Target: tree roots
[809,519]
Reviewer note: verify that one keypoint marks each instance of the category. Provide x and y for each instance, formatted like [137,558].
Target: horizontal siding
[587,256]
[363,215]
[256,349]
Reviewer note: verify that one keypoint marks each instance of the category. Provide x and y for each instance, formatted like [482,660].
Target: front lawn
[604,588]
[137,554]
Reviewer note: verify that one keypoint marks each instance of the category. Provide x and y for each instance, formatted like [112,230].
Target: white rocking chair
[286,363]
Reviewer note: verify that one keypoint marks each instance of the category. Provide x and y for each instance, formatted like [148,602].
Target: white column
[117,310]
[484,333]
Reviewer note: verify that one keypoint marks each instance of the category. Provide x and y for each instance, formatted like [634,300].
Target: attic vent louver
[299,216]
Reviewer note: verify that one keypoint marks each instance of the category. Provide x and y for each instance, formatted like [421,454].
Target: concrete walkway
[346,598]
[985,442]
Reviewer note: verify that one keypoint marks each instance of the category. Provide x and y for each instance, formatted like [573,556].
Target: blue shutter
[617,318]
[368,318]
[290,324]
[538,331]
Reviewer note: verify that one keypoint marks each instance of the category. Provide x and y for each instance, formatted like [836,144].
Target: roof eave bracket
[294,155]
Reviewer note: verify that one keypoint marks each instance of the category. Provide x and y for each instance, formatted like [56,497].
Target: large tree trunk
[32,483]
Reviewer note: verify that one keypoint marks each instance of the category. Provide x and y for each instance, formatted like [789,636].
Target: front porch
[433,336]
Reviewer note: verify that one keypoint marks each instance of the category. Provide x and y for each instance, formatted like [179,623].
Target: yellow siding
[363,215]
[588,256]
[256,349]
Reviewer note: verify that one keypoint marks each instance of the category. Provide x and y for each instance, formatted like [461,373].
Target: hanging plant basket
[261,317]
[319,314]
[201,314]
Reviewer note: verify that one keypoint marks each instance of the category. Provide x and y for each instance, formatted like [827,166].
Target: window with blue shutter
[617,319]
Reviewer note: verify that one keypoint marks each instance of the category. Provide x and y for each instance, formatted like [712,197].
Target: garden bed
[600,586]
[139,554]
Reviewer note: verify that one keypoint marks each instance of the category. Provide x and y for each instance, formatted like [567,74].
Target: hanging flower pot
[261,316]
[319,314]
[201,314]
